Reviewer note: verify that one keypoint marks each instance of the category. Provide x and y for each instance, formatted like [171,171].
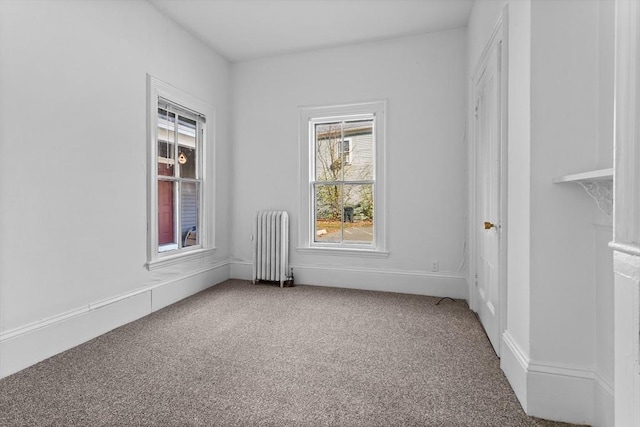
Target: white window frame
[157,90]
[308,117]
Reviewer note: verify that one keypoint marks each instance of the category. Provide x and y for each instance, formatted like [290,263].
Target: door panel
[488,144]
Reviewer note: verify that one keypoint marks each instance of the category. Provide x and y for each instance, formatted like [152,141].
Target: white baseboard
[242,270]
[515,365]
[169,293]
[557,392]
[560,393]
[409,282]
[604,404]
[25,346]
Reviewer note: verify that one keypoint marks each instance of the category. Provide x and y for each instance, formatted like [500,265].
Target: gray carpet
[245,355]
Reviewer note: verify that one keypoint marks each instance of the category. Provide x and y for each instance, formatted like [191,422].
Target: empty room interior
[352,212]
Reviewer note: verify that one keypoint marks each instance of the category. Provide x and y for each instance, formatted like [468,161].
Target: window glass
[187,153]
[358,213]
[189,206]
[358,150]
[166,213]
[178,178]
[343,184]
[166,135]
[328,204]
[328,137]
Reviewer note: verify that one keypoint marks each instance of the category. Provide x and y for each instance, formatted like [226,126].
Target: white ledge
[598,184]
[627,248]
[595,175]
[165,261]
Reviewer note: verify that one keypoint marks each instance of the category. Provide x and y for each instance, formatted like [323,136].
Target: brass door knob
[488,225]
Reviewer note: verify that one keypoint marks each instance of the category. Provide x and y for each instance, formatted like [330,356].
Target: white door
[488,150]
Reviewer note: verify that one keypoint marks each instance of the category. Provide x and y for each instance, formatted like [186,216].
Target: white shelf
[596,175]
[598,184]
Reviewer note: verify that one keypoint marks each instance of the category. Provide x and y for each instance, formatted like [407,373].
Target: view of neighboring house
[344,168]
[177,180]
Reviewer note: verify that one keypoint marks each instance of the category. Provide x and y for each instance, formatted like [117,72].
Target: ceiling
[242,30]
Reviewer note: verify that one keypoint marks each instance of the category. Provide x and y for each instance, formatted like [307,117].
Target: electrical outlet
[435,265]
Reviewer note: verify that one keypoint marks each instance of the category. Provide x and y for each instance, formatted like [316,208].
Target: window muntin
[342,180]
[179,177]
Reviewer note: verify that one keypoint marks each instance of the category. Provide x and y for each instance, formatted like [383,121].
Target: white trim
[557,391]
[11,333]
[206,228]
[604,403]
[626,248]
[515,364]
[626,213]
[343,251]
[595,175]
[314,113]
[187,255]
[519,355]
[626,265]
[28,344]
[605,384]
[439,284]
[416,273]
[627,125]
[560,369]
[561,394]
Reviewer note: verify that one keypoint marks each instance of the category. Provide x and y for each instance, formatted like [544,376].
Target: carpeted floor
[245,355]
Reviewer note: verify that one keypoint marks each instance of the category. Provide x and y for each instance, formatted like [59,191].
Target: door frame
[499,35]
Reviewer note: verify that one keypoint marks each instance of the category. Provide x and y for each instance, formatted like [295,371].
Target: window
[178,206]
[179,183]
[342,165]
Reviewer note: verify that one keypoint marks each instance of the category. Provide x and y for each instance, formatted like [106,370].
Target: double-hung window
[179,180]
[342,176]
[179,206]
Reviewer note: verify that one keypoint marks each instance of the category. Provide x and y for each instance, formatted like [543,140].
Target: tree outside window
[343,183]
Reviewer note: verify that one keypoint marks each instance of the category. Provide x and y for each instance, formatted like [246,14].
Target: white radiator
[271,247]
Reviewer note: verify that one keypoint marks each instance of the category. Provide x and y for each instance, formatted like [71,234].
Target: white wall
[560,307]
[73,159]
[424,80]
[567,101]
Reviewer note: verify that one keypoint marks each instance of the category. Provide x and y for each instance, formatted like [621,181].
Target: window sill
[355,252]
[167,260]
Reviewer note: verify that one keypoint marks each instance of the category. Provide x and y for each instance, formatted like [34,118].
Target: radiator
[271,247]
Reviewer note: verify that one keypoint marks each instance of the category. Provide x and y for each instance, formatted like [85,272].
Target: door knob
[488,225]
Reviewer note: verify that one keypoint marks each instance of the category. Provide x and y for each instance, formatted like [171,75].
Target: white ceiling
[247,29]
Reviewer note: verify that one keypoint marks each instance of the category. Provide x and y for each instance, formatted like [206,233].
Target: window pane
[328,148]
[358,213]
[189,205]
[187,147]
[328,215]
[166,135]
[166,215]
[165,158]
[358,150]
